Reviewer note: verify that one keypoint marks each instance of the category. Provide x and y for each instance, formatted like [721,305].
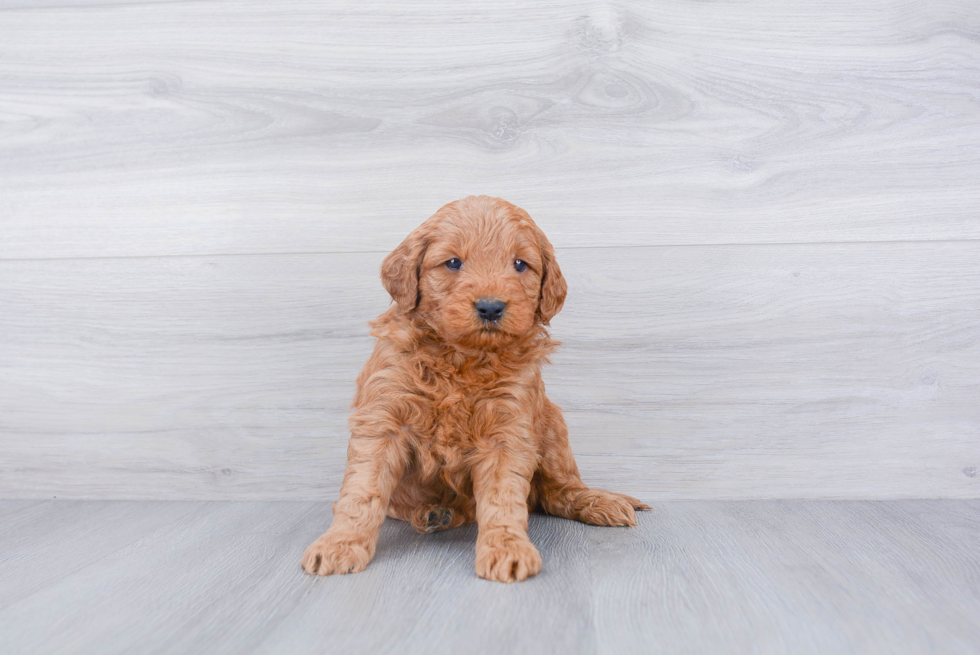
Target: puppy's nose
[490,309]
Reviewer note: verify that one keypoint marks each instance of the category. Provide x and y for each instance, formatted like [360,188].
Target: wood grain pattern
[769,212]
[809,371]
[694,577]
[160,128]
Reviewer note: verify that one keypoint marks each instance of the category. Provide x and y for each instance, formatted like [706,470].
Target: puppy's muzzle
[490,309]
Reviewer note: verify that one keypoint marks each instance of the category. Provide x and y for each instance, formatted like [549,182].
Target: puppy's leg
[501,485]
[375,464]
[560,489]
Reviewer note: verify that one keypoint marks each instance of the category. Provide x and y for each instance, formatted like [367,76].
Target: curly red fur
[451,423]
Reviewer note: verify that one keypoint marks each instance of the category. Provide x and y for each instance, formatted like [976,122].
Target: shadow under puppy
[451,423]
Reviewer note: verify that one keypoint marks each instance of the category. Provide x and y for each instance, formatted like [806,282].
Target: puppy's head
[479,272]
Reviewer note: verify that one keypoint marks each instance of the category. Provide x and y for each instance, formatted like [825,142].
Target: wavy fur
[450,421]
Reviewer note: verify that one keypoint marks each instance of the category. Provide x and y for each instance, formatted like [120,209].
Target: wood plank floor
[700,577]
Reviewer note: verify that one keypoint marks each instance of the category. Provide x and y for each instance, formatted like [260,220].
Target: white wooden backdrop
[768,214]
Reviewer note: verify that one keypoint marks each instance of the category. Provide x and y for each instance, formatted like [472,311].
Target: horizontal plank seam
[558,248]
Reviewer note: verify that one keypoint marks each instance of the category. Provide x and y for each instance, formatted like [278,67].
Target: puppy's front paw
[338,553]
[504,557]
[601,507]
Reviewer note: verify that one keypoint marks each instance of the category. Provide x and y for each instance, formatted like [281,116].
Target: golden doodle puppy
[451,423]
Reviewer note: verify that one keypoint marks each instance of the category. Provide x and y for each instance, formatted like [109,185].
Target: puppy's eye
[520,265]
[454,264]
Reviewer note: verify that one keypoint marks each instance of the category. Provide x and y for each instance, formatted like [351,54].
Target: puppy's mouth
[493,330]
[487,333]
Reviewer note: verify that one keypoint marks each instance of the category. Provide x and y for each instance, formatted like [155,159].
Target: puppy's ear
[553,287]
[401,269]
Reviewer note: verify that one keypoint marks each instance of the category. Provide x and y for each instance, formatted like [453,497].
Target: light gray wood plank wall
[227,127]
[769,214]
[704,372]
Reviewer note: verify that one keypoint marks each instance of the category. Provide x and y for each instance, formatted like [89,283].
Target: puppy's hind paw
[601,507]
[438,518]
[427,520]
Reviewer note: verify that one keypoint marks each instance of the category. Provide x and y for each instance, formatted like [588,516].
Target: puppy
[451,423]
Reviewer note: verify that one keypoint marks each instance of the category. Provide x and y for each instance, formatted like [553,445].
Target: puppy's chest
[450,415]
[456,413]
